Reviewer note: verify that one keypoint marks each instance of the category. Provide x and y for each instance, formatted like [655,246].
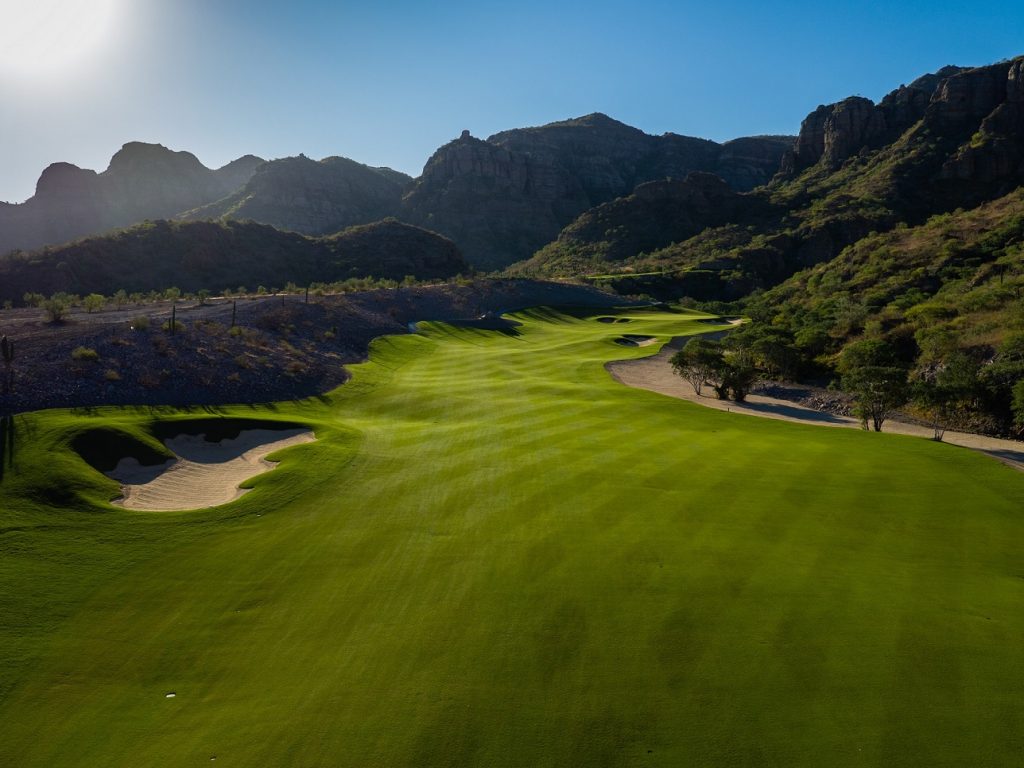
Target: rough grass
[496,555]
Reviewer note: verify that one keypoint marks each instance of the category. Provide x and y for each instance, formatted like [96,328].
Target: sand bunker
[633,340]
[205,474]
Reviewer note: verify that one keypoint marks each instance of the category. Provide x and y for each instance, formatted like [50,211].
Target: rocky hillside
[506,197]
[214,256]
[143,181]
[500,200]
[953,139]
[311,197]
[656,214]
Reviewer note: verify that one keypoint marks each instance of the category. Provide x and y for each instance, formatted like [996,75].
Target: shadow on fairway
[792,412]
[7,443]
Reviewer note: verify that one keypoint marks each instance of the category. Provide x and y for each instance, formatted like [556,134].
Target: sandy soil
[205,474]
[656,375]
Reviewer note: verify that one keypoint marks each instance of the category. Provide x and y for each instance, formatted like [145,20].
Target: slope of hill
[656,214]
[504,198]
[947,294]
[213,256]
[143,181]
[311,197]
[948,140]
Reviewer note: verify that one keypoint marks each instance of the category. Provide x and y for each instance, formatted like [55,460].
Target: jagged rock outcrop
[143,181]
[504,198]
[835,132]
[995,152]
[313,197]
[978,109]
[952,139]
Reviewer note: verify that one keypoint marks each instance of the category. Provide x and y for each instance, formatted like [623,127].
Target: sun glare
[46,38]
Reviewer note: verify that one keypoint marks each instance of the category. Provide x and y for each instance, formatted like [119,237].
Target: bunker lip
[635,340]
[205,473]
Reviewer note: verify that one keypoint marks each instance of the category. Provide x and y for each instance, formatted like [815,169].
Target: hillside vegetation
[217,255]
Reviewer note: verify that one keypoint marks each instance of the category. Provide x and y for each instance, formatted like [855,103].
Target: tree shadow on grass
[791,412]
[7,444]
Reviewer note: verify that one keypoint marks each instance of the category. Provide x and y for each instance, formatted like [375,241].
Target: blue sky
[388,82]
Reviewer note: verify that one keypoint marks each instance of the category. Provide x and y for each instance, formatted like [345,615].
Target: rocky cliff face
[979,111]
[312,197]
[504,198]
[995,152]
[951,139]
[143,181]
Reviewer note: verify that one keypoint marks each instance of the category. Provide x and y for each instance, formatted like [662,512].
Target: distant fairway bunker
[635,340]
[204,463]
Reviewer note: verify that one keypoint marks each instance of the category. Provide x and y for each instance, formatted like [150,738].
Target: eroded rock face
[982,107]
[995,151]
[504,198]
[143,181]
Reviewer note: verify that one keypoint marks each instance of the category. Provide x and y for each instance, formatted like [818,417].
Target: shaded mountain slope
[948,140]
[143,181]
[504,198]
[214,256]
[312,197]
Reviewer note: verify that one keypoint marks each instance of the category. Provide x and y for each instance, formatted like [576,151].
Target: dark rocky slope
[312,197]
[208,255]
[506,197]
[948,140]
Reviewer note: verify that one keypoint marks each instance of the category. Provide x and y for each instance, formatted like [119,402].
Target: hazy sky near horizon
[386,83]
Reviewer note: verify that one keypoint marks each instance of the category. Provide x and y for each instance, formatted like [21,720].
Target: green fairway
[495,555]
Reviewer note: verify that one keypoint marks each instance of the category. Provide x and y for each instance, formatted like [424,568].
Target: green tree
[699,362]
[1018,404]
[872,374]
[93,301]
[944,390]
[878,391]
[57,307]
[739,373]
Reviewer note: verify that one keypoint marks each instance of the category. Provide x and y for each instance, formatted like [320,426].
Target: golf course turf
[496,555]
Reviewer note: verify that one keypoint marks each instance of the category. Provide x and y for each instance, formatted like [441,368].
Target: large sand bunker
[205,473]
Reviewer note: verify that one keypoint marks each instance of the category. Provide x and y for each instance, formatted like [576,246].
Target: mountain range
[499,199]
[900,221]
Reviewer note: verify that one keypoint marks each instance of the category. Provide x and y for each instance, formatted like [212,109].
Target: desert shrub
[111,375]
[85,354]
[140,323]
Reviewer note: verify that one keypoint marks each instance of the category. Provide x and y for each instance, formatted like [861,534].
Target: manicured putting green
[495,555]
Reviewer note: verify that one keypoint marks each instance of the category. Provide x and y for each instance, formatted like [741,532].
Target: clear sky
[386,83]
